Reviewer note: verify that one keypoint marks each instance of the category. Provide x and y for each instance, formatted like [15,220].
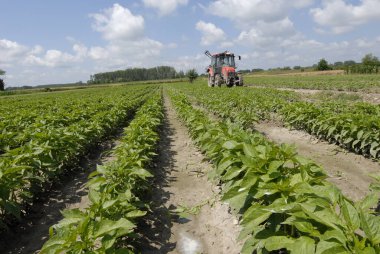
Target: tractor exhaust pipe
[207,53]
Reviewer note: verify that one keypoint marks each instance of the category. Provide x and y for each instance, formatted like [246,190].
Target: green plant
[115,191]
[43,136]
[284,200]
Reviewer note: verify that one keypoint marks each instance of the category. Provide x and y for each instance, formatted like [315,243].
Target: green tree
[2,85]
[323,65]
[370,60]
[192,74]
[370,63]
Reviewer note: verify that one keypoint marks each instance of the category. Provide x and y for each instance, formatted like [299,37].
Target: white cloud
[211,34]
[247,11]
[118,23]
[98,53]
[340,17]
[198,61]
[11,51]
[55,58]
[267,35]
[164,7]
[124,33]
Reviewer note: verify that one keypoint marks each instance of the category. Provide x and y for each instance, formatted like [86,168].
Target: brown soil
[348,171]
[33,231]
[181,181]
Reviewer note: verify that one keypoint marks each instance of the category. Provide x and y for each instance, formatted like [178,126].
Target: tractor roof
[223,53]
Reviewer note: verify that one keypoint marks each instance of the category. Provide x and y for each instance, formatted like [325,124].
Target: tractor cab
[222,70]
[223,59]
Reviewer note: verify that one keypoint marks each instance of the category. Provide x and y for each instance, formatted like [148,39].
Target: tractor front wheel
[231,82]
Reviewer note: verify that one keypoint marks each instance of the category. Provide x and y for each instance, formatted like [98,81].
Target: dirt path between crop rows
[348,171]
[181,181]
[33,231]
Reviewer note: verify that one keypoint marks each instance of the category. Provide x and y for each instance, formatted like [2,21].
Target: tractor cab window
[226,60]
[213,61]
[229,61]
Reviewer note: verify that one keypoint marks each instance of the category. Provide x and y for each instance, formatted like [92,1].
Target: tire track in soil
[181,180]
[348,171]
[33,231]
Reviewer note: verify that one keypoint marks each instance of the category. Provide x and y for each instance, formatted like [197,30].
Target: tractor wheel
[241,83]
[210,81]
[218,80]
[230,83]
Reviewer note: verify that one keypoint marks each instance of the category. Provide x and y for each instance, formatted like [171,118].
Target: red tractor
[222,70]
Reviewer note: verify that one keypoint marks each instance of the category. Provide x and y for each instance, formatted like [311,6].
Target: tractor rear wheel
[218,80]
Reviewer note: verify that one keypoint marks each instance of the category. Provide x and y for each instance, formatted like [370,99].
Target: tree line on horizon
[136,74]
[369,64]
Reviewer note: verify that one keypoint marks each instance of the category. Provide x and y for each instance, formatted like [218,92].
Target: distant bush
[323,65]
[192,74]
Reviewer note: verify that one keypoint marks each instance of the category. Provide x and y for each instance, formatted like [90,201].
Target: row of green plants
[355,82]
[356,127]
[356,132]
[22,116]
[285,203]
[116,191]
[51,150]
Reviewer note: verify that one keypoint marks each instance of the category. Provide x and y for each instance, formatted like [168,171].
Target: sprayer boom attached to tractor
[222,70]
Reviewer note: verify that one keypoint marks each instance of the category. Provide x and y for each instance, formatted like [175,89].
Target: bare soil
[181,181]
[33,231]
[348,171]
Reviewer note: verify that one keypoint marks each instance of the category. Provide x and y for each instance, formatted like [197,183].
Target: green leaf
[278,242]
[249,150]
[370,201]
[108,226]
[350,214]
[230,145]
[371,226]
[254,216]
[338,235]
[330,247]
[224,164]
[274,165]
[236,197]
[135,214]
[231,173]
[303,245]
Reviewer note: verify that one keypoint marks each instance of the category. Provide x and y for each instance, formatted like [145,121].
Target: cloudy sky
[65,41]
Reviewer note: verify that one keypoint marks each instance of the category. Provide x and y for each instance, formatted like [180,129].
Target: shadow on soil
[155,229]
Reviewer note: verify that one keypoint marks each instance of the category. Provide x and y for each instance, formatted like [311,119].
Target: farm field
[353,83]
[193,169]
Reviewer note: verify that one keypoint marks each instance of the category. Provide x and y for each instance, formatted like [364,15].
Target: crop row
[22,116]
[25,171]
[284,200]
[368,83]
[115,190]
[354,127]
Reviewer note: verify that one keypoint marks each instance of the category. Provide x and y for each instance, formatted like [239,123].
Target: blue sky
[66,41]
